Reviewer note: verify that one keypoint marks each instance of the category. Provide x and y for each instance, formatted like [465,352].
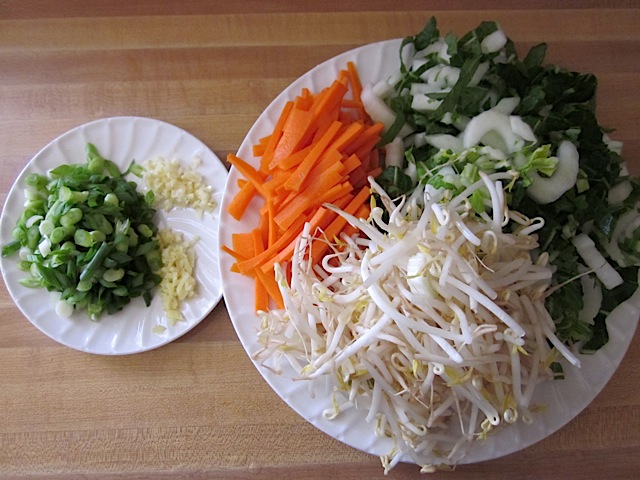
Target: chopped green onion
[75,233]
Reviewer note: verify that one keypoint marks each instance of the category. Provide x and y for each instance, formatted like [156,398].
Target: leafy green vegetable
[394,181]
[557,105]
[456,171]
[88,234]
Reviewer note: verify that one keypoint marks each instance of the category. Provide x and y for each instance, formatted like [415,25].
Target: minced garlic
[178,282]
[175,184]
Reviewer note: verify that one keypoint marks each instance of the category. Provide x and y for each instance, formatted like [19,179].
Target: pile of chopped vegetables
[458,106]
[178,282]
[322,150]
[500,234]
[87,234]
[433,322]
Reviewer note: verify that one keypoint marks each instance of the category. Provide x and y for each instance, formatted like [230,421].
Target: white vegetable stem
[493,42]
[380,111]
[587,250]
[498,130]
[547,190]
[394,153]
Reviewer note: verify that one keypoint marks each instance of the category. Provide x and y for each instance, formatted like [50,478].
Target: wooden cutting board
[197,408]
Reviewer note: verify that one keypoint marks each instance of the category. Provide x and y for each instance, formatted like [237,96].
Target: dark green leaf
[395,182]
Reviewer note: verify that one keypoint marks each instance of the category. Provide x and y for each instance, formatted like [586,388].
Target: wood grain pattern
[197,408]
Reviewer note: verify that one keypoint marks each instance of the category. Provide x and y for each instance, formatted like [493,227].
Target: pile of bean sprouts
[432,320]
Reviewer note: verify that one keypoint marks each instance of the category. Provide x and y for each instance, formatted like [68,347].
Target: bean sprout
[433,323]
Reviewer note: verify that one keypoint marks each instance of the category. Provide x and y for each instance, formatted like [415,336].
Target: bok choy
[469,104]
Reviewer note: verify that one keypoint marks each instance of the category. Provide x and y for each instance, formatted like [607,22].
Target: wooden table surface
[197,408]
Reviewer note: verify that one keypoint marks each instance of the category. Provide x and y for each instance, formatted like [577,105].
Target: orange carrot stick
[243,244]
[330,98]
[332,231]
[248,265]
[350,164]
[320,151]
[273,230]
[275,137]
[260,292]
[348,136]
[241,200]
[297,124]
[233,253]
[370,132]
[250,173]
[268,282]
[278,177]
[336,192]
[292,160]
[320,219]
[304,100]
[306,199]
[297,178]
[319,222]
[354,81]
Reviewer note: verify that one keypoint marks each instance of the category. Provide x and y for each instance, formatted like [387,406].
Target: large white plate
[123,139]
[565,398]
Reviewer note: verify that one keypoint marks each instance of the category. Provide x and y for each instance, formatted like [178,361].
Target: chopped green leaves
[557,105]
[88,234]
[394,181]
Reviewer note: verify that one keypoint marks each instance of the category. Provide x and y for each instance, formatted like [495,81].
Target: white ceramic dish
[123,139]
[565,399]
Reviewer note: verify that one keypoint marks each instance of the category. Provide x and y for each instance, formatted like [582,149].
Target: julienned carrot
[301,172]
[234,254]
[304,100]
[293,132]
[371,132]
[329,99]
[351,163]
[270,286]
[241,200]
[247,266]
[259,148]
[306,199]
[254,176]
[348,135]
[275,137]
[359,177]
[321,150]
[321,219]
[354,80]
[260,290]
[273,231]
[292,160]
[243,244]
[333,230]
[317,224]
[336,192]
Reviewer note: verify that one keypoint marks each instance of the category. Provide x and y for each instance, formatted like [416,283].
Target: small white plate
[565,398]
[123,139]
